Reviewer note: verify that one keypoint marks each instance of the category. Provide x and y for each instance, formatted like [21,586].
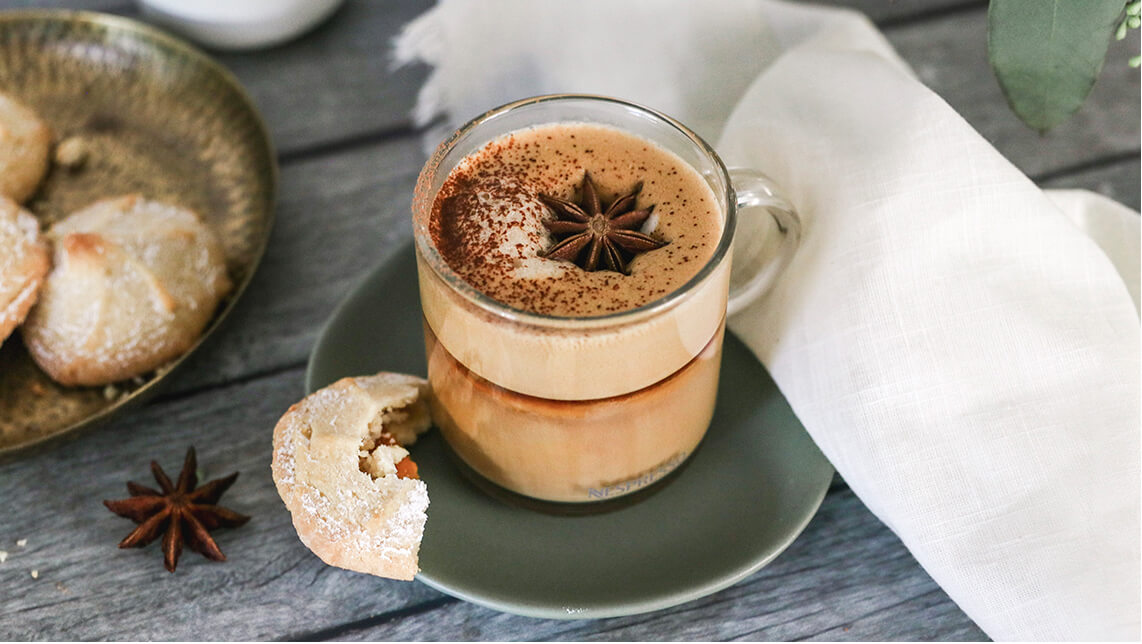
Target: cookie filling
[381,452]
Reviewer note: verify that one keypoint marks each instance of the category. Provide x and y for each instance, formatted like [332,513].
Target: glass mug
[582,410]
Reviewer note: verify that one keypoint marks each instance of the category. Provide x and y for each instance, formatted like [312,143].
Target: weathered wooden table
[349,157]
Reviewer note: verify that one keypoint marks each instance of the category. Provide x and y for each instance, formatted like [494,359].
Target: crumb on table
[71,153]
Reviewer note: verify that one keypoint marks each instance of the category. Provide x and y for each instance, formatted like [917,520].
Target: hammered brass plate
[156,117]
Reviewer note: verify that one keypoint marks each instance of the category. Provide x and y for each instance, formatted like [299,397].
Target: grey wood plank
[88,589]
[847,577]
[1118,181]
[927,618]
[338,80]
[893,13]
[333,83]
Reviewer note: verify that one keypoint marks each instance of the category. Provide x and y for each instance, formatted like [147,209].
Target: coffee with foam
[576,385]
[487,219]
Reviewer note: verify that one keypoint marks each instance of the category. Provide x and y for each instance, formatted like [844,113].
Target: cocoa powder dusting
[487,219]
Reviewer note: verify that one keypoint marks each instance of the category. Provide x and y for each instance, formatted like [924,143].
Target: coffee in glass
[574,264]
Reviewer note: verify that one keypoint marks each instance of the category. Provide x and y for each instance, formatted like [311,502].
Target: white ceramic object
[239,24]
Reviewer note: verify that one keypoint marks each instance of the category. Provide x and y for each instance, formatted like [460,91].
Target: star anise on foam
[186,512]
[596,239]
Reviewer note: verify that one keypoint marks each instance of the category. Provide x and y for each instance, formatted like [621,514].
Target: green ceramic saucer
[743,497]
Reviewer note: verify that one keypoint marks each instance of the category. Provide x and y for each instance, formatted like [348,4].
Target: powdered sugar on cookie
[24,261]
[134,284]
[337,472]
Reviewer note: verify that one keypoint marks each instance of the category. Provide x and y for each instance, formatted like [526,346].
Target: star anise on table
[598,239]
[186,512]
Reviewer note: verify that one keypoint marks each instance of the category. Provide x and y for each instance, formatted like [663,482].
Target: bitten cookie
[341,470]
[133,285]
[24,261]
[25,141]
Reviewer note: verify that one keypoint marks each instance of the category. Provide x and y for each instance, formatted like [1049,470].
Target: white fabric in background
[684,66]
[963,346]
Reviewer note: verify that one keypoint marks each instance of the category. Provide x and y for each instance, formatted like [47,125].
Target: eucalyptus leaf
[1047,54]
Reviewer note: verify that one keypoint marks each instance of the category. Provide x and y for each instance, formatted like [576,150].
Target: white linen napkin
[963,346]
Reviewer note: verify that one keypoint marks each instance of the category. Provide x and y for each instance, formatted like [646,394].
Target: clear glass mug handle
[767,235]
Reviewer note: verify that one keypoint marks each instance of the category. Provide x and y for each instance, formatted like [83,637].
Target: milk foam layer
[487,219]
[579,356]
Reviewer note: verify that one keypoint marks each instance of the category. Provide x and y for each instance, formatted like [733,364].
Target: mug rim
[457,284]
